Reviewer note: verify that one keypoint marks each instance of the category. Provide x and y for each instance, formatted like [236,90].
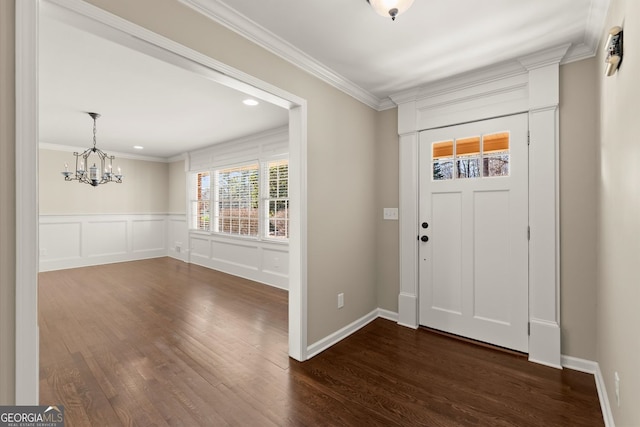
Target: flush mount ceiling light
[94,176]
[250,102]
[390,8]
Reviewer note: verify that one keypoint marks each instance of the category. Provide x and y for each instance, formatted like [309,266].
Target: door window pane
[495,155]
[442,160]
[471,157]
[468,157]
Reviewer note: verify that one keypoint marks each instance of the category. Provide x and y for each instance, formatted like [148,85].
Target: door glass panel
[495,160]
[442,160]
[468,157]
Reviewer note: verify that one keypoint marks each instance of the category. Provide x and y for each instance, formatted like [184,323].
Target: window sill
[223,236]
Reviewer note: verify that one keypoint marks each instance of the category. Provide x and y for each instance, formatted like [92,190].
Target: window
[201,201]
[230,200]
[237,198]
[277,202]
[477,156]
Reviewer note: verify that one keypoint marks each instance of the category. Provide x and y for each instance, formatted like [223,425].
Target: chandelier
[95,175]
[390,8]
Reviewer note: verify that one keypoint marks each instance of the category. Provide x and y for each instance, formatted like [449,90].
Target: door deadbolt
[425,225]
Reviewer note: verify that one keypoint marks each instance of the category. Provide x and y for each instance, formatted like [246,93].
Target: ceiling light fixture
[250,102]
[613,47]
[92,176]
[138,147]
[390,8]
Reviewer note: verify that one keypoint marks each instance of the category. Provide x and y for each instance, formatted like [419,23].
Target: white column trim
[408,216]
[27,348]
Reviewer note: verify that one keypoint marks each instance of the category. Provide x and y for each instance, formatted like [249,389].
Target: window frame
[263,217]
[266,199]
[194,200]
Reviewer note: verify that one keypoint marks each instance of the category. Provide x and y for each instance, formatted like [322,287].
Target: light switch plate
[390,213]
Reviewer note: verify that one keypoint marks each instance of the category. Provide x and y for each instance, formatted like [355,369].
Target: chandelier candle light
[390,8]
[92,176]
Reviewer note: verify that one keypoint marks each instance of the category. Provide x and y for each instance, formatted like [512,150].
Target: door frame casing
[529,85]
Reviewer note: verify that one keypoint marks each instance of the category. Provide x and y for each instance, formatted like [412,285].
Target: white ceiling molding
[497,72]
[71,149]
[592,36]
[238,23]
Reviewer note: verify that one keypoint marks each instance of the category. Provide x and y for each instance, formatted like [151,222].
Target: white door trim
[27,13]
[532,85]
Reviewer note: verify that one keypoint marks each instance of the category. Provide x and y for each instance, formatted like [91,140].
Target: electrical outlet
[340,300]
[43,252]
[617,379]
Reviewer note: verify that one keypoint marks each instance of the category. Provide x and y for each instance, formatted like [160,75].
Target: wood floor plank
[164,343]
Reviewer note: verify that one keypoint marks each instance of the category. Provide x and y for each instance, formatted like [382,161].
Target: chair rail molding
[529,85]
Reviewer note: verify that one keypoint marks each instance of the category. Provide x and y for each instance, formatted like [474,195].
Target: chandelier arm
[90,174]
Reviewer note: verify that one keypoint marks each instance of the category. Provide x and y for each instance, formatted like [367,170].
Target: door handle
[424,238]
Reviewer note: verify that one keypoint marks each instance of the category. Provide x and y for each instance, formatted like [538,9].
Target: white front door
[474,213]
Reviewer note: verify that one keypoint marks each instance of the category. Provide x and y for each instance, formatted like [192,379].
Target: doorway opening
[149,43]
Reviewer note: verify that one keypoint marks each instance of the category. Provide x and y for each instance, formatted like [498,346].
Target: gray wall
[387,231]
[578,207]
[618,288]
[144,188]
[177,203]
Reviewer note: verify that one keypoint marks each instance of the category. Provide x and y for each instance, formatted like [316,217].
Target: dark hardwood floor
[159,342]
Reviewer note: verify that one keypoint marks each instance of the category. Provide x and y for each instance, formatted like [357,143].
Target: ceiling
[435,39]
[143,101]
[168,110]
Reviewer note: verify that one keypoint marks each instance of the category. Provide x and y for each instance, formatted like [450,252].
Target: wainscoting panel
[70,241]
[149,235]
[262,261]
[235,254]
[178,237]
[200,249]
[105,238]
[64,241]
[275,261]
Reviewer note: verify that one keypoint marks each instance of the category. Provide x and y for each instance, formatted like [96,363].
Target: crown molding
[71,149]
[228,17]
[496,72]
[545,57]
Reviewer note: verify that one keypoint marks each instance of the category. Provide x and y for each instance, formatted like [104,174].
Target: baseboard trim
[590,367]
[326,342]
[386,314]
[581,365]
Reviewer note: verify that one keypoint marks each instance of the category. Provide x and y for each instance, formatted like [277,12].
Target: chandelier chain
[94,132]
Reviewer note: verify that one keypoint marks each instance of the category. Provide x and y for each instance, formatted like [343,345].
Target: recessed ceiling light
[138,147]
[251,102]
